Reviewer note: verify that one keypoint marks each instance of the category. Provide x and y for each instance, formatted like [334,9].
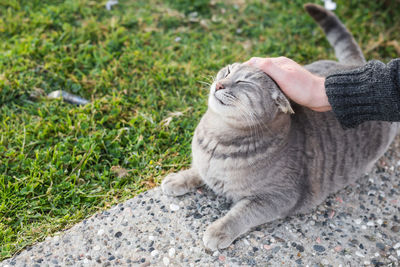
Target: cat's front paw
[217,236]
[174,185]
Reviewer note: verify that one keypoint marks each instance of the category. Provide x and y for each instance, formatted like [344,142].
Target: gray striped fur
[346,49]
[271,163]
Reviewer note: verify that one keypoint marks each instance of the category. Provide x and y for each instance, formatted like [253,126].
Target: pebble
[165,261]
[397,245]
[381,246]
[267,247]
[370,223]
[300,248]
[174,207]
[395,228]
[100,232]
[338,248]
[358,221]
[171,252]
[325,262]
[118,234]
[319,248]
[154,253]
[359,254]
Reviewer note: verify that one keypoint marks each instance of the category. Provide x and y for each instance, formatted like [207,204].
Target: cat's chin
[218,106]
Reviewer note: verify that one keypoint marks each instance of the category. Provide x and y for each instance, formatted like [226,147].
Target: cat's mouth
[220,101]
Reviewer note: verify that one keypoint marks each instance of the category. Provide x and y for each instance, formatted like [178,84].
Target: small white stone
[367,262]
[370,223]
[379,221]
[359,254]
[396,246]
[172,242]
[165,261]
[100,232]
[151,238]
[398,253]
[392,258]
[97,248]
[246,242]
[272,240]
[174,207]
[357,221]
[258,234]
[364,227]
[325,262]
[171,252]
[312,222]
[376,255]
[216,253]
[154,253]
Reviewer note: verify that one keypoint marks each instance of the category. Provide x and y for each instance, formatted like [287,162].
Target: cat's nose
[219,86]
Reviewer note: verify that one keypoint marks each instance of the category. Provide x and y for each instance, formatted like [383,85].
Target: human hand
[296,82]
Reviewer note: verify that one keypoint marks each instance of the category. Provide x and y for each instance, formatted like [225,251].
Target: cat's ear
[282,102]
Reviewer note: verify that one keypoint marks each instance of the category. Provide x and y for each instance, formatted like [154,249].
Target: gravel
[358,226]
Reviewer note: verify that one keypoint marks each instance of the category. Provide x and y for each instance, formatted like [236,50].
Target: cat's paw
[218,237]
[174,185]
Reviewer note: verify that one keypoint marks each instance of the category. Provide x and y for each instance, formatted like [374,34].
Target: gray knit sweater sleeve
[371,92]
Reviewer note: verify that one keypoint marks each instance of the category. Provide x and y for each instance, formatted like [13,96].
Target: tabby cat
[273,158]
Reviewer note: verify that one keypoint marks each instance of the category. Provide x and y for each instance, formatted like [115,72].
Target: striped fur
[269,162]
[346,49]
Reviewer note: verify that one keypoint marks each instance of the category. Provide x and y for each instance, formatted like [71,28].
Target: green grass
[137,64]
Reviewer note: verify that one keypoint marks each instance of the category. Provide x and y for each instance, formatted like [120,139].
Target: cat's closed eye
[241,81]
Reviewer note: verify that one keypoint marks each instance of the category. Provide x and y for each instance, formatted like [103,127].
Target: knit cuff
[364,94]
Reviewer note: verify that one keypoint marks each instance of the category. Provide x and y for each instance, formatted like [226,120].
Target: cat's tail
[346,49]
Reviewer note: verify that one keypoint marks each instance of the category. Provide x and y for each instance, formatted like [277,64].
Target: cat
[271,157]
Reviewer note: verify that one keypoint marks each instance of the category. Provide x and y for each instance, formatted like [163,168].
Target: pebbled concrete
[358,226]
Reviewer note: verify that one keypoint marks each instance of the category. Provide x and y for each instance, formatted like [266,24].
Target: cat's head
[244,93]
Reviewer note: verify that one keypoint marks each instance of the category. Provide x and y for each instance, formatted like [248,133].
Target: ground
[144,66]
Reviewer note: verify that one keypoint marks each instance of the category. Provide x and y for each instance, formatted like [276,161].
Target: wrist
[319,101]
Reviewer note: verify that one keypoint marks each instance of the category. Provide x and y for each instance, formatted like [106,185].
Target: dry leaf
[149,183]
[373,44]
[165,122]
[119,171]
[396,45]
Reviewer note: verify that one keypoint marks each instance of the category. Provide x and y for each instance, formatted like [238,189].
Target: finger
[253,61]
